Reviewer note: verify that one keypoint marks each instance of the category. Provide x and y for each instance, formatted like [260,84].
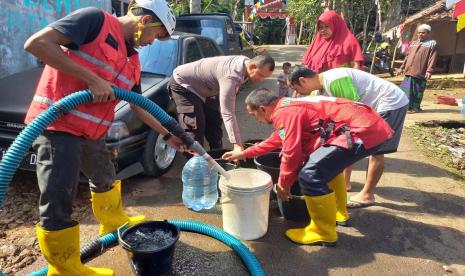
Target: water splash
[146,239]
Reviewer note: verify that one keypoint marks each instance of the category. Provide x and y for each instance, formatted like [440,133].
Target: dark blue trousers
[326,163]
[60,158]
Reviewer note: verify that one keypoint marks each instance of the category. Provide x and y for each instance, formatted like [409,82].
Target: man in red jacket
[88,49]
[320,137]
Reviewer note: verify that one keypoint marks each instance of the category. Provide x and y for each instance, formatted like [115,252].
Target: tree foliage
[182,6]
[305,10]
[270,31]
[360,15]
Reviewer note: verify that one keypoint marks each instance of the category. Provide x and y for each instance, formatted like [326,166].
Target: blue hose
[20,147]
[23,142]
[244,253]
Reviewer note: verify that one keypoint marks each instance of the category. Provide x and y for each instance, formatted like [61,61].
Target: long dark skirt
[414,88]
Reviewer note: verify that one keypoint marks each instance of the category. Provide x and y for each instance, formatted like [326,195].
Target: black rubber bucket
[217,153]
[251,142]
[150,246]
[248,163]
[295,208]
[269,163]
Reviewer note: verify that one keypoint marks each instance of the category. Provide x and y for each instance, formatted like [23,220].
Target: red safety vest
[90,120]
[361,120]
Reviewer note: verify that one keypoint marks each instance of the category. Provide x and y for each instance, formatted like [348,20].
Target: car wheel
[158,155]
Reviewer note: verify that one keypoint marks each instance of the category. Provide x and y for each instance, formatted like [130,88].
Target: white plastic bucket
[245,200]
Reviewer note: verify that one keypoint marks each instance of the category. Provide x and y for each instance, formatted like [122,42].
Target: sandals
[414,110]
[355,203]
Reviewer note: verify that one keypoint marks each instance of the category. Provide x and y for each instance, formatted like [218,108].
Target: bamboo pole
[373,59]
[394,57]
[300,32]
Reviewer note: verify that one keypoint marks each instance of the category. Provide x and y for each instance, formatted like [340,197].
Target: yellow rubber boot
[322,227]
[108,209]
[339,187]
[61,250]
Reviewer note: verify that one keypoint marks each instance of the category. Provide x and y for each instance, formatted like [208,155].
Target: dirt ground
[417,226]
[431,95]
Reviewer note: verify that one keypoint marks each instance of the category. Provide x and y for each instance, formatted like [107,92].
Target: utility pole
[195,6]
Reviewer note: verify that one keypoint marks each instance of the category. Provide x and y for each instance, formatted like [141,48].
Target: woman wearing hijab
[334,45]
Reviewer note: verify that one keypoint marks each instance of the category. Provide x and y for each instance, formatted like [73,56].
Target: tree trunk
[345,12]
[300,32]
[234,13]
[394,15]
[354,21]
[195,6]
[312,33]
[365,28]
[408,9]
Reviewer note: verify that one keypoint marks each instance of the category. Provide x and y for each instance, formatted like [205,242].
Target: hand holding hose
[178,145]
[101,90]
[173,127]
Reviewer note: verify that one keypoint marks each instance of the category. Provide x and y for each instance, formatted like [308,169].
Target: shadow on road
[425,202]
[444,110]
[373,233]
[417,169]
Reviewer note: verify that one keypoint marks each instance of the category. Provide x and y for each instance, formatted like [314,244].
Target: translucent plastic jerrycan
[200,190]
[462,106]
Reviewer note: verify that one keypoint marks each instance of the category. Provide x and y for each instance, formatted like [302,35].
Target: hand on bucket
[283,193]
[234,155]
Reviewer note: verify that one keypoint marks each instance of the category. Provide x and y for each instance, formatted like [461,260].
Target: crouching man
[320,137]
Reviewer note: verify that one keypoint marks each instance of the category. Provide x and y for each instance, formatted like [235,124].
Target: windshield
[211,28]
[160,57]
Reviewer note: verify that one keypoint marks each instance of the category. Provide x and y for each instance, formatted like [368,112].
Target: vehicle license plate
[28,162]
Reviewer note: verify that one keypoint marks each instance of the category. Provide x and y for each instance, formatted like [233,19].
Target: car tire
[158,155]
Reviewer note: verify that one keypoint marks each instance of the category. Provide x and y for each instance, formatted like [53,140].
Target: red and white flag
[459,13]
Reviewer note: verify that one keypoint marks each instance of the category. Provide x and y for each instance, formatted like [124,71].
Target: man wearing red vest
[88,49]
[320,137]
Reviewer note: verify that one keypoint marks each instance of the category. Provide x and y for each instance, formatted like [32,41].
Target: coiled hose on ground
[97,247]
[23,142]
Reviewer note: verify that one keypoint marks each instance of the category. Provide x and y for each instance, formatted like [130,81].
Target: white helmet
[161,9]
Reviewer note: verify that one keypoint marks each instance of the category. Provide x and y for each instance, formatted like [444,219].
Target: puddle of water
[147,239]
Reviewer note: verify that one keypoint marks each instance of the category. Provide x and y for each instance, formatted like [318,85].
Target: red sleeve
[289,126]
[358,54]
[271,143]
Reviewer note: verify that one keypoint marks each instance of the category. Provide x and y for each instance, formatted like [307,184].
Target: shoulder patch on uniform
[282,134]
[286,101]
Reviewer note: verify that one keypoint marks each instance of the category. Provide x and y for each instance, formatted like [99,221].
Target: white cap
[424,27]
[161,9]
